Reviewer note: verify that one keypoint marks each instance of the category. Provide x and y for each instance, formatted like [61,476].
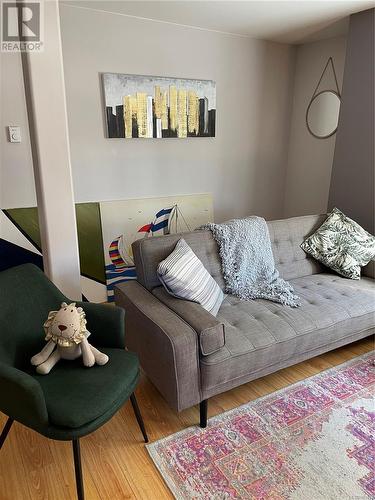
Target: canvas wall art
[157,107]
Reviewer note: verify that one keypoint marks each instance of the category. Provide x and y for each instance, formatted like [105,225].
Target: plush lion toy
[66,330]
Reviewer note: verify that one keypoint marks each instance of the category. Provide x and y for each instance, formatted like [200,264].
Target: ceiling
[282,21]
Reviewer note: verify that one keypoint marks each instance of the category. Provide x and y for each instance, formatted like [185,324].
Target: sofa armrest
[210,331]
[369,270]
[167,346]
[22,397]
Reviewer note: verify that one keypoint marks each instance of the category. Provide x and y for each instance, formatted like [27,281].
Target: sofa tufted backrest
[286,236]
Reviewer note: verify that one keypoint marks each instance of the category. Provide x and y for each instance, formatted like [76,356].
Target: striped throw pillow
[185,277]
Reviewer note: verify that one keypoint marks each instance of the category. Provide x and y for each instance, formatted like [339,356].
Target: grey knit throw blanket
[247,261]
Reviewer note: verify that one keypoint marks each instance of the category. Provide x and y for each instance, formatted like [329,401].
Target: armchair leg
[203,406]
[5,431]
[78,469]
[138,416]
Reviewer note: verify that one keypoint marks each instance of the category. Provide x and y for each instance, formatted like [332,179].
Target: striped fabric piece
[185,277]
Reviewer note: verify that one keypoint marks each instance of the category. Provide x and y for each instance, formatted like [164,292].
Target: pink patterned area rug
[314,440]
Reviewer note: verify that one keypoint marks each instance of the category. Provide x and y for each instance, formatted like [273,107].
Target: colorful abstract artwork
[105,231]
[156,107]
[313,440]
[20,243]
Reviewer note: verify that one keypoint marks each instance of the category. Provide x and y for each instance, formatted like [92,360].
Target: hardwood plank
[115,462]
[12,471]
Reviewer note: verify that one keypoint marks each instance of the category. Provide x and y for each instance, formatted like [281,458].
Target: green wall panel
[90,241]
[89,230]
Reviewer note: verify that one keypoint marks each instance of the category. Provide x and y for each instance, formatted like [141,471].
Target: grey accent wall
[352,182]
[310,159]
[244,166]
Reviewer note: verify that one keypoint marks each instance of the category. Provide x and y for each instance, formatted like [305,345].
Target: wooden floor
[116,464]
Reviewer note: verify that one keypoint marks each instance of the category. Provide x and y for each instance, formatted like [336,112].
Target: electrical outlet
[14,134]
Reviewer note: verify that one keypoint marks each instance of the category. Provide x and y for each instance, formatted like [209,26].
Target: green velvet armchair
[72,401]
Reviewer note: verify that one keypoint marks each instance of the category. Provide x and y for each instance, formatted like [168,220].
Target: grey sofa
[190,355]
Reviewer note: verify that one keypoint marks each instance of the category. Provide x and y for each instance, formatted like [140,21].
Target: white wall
[310,159]
[16,172]
[17,186]
[244,166]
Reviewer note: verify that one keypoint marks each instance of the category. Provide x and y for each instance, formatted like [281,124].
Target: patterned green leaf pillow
[341,244]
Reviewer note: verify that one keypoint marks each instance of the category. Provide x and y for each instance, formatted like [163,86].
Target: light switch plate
[14,134]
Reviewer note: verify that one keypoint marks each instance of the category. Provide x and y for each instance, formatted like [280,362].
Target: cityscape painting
[156,107]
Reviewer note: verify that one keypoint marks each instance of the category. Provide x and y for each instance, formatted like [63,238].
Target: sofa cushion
[76,395]
[260,333]
[341,244]
[184,276]
[148,252]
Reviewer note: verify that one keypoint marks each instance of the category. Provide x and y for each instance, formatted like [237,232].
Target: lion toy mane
[66,337]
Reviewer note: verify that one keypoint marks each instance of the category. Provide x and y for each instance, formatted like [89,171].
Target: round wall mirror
[322,114]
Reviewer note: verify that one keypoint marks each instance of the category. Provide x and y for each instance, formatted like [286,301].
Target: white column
[46,106]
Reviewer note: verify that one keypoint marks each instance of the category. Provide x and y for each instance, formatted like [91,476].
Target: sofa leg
[6,429]
[203,406]
[78,469]
[138,416]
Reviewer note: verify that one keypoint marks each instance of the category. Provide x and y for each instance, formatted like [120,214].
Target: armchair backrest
[26,297]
